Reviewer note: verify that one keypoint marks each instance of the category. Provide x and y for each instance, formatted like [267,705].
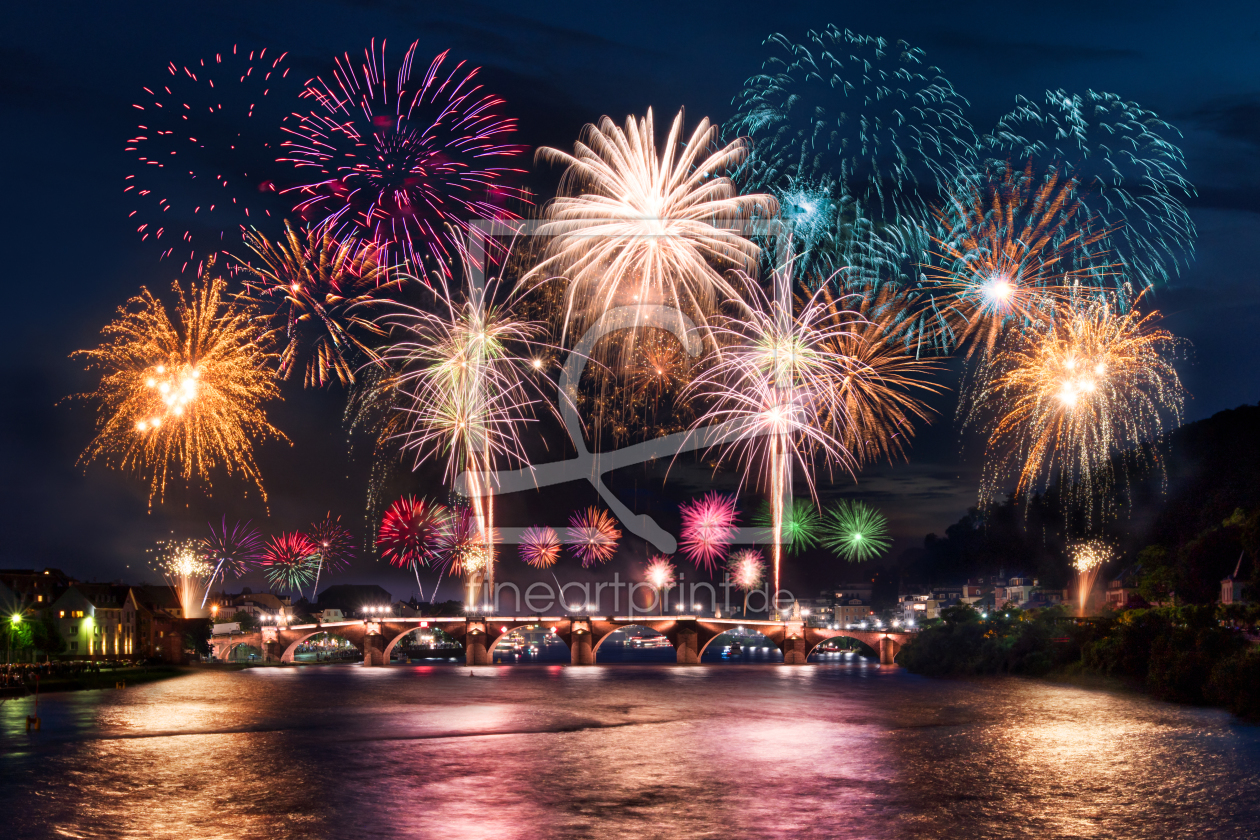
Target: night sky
[69,73]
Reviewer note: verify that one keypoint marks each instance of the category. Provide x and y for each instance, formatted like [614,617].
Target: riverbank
[1179,654]
[96,680]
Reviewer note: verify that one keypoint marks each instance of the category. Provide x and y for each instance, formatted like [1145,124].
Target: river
[839,749]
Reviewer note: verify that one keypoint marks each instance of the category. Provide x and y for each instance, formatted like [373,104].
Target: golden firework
[1009,252]
[1068,397]
[184,397]
[636,226]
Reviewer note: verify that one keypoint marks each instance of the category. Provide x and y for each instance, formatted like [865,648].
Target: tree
[247,622]
[46,636]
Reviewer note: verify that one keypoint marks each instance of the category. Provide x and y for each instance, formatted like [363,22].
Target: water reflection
[841,749]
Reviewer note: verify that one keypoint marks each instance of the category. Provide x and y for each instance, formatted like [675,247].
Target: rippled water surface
[839,749]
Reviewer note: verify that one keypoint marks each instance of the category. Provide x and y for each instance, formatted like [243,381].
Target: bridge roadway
[690,635]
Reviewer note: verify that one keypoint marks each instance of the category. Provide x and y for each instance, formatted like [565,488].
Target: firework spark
[185,570]
[317,288]
[1087,559]
[403,157]
[182,399]
[634,226]
[747,571]
[206,152]
[856,531]
[798,525]
[1065,399]
[235,551]
[291,561]
[411,532]
[708,529]
[540,546]
[592,535]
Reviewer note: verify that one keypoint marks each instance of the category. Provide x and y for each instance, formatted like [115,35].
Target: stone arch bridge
[690,635]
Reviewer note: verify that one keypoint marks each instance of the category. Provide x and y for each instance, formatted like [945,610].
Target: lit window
[61,614]
[39,599]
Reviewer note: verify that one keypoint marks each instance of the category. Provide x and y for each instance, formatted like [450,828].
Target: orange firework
[182,397]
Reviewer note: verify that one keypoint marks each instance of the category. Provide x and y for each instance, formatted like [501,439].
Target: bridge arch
[499,632]
[416,629]
[622,628]
[225,651]
[291,649]
[865,643]
[769,642]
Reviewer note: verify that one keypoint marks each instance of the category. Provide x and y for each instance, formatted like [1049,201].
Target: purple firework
[406,159]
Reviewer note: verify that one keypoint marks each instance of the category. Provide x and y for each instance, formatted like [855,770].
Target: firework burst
[185,570]
[540,546]
[411,533]
[317,288]
[182,398]
[333,543]
[1126,171]
[855,530]
[592,536]
[798,525]
[708,529]
[661,574]
[747,570]
[464,381]
[206,153]
[234,551]
[290,561]
[634,226]
[1068,397]
[403,156]
[1088,558]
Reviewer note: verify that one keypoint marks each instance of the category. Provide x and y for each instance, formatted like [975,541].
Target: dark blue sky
[70,71]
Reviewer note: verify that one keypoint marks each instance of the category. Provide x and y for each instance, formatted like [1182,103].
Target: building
[1122,593]
[919,608]
[352,599]
[151,630]
[260,606]
[1233,588]
[90,618]
[35,589]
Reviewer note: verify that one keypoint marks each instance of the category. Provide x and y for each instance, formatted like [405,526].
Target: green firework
[855,530]
[800,524]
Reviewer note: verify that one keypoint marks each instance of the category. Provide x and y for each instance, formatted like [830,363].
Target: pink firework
[660,574]
[402,156]
[540,546]
[205,149]
[411,533]
[747,569]
[708,529]
[592,535]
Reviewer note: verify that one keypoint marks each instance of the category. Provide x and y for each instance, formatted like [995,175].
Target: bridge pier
[272,650]
[794,652]
[687,646]
[888,651]
[581,647]
[374,651]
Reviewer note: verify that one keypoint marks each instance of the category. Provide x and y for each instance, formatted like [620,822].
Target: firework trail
[855,530]
[708,529]
[334,544]
[464,385]
[858,132]
[404,157]
[1087,559]
[661,574]
[780,388]
[592,536]
[317,288]
[1065,398]
[747,571]
[185,570]
[182,398]
[411,534]
[634,226]
[235,551]
[290,561]
[1125,169]
[205,152]
[540,546]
